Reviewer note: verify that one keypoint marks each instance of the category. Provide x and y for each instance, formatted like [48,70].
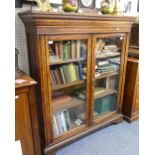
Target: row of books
[81,93]
[65,50]
[61,122]
[106,66]
[103,50]
[66,73]
[106,104]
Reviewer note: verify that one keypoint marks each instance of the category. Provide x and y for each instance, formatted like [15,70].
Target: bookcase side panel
[39,69]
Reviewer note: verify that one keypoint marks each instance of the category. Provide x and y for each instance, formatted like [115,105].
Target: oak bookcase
[130,108]
[79,62]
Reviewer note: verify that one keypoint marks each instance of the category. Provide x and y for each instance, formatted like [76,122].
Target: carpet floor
[119,139]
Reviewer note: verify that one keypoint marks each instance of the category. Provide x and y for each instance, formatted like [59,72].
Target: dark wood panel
[130,102]
[23,131]
[26,120]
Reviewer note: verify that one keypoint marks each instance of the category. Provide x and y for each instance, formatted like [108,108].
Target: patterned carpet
[120,139]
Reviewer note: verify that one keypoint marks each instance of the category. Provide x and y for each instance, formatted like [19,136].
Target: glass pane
[108,52]
[68,63]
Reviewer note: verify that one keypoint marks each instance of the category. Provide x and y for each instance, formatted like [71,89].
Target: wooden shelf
[68,85]
[105,93]
[74,102]
[106,75]
[66,61]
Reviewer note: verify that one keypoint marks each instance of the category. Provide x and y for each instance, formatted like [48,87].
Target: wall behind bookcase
[20,38]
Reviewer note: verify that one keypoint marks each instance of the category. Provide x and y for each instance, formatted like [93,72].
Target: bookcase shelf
[74,102]
[62,86]
[105,93]
[51,36]
[66,61]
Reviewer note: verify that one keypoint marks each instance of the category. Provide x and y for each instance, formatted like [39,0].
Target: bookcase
[79,62]
[130,108]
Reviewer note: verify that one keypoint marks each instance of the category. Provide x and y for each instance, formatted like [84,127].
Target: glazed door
[69,67]
[107,69]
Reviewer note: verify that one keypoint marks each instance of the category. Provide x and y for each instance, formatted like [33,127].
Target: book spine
[72,72]
[56,77]
[57,50]
[61,129]
[78,49]
[63,121]
[69,49]
[80,71]
[53,77]
[66,73]
[62,75]
[66,51]
[77,72]
[73,49]
[56,130]
[67,117]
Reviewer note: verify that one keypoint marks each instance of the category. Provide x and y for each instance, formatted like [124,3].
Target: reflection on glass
[68,68]
[108,52]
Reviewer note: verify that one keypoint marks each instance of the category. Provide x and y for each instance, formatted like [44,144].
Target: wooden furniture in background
[131,90]
[26,121]
[45,30]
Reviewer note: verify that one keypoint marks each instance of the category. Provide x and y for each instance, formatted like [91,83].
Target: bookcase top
[69,23]
[73,15]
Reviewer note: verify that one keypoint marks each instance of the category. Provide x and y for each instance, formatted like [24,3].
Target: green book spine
[66,52]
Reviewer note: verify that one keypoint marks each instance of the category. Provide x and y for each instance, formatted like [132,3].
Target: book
[63,121]
[99,90]
[65,71]
[57,50]
[80,71]
[62,74]
[112,82]
[81,94]
[65,51]
[69,49]
[78,49]
[73,49]
[105,104]
[102,63]
[61,128]
[55,126]
[61,49]
[57,122]
[77,72]
[83,50]
[72,72]
[67,118]
[110,47]
[53,51]
[115,60]
[99,45]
